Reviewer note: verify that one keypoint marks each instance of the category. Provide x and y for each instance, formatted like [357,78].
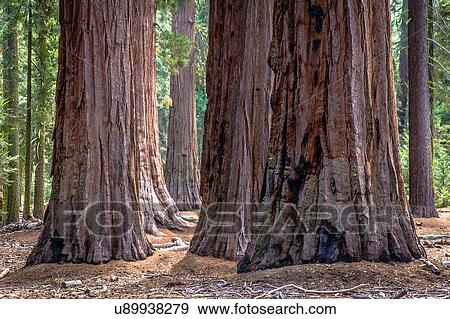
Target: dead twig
[4,273]
[432,266]
[309,291]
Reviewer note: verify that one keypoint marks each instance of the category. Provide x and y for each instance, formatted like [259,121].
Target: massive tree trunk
[421,194]
[104,94]
[28,143]
[403,71]
[236,125]
[11,100]
[182,164]
[335,186]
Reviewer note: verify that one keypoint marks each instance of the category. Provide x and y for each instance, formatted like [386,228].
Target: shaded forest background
[172,53]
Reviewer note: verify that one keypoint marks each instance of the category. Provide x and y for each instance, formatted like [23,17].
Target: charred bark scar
[333,185]
[316,11]
[316,44]
[316,78]
[57,246]
[296,181]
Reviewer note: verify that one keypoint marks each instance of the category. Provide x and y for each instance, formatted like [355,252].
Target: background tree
[28,130]
[331,115]
[44,96]
[182,164]
[403,70]
[11,100]
[236,124]
[421,194]
[103,98]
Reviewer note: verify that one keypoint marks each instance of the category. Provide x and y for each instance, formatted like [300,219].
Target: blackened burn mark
[316,78]
[316,44]
[316,11]
[333,185]
[296,181]
[57,246]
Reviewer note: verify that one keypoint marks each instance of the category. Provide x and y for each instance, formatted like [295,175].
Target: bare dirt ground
[184,275]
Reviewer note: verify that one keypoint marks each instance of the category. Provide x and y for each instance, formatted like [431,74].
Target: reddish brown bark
[421,194]
[182,164]
[236,124]
[336,191]
[104,94]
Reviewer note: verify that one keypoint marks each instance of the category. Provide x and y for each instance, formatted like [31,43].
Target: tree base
[290,242]
[84,246]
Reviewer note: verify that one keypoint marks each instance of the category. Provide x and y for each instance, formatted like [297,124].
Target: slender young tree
[43,88]
[11,100]
[236,125]
[104,154]
[336,191]
[403,71]
[421,194]
[182,164]
[28,143]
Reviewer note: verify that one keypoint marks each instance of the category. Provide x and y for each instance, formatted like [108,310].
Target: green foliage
[173,50]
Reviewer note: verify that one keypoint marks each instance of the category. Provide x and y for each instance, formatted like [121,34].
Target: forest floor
[184,275]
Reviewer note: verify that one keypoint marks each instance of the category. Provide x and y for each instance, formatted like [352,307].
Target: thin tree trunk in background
[104,94]
[43,100]
[403,72]
[39,178]
[11,100]
[336,191]
[28,143]
[430,19]
[182,165]
[237,118]
[421,194]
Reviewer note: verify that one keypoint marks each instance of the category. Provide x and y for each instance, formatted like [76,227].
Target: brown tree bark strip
[182,164]
[236,125]
[421,193]
[104,93]
[336,191]
[11,100]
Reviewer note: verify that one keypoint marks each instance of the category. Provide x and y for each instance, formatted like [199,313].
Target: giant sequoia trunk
[101,149]
[335,186]
[158,207]
[421,194]
[236,125]
[11,100]
[182,165]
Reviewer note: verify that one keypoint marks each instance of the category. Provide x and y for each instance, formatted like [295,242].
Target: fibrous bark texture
[421,194]
[335,186]
[104,94]
[11,101]
[236,125]
[157,205]
[182,164]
